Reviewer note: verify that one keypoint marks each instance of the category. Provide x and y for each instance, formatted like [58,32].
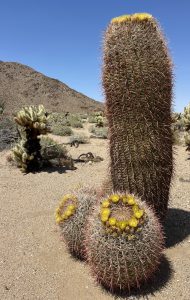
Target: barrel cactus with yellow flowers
[71,216]
[32,121]
[124,242]
[137,81]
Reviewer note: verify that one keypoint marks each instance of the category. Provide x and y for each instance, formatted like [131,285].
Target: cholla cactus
[21,157]
[33,117]
[187,141]
[71,215]
[99,121]
[137,80]
[186,117]
[124,242]
[33,122]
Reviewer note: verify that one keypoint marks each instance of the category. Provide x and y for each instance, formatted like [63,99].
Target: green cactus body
[137,80]
[71,216]
[124,242]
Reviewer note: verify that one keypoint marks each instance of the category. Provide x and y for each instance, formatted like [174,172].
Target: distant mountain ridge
[21,85]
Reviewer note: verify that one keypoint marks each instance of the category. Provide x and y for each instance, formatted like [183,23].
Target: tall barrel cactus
[137,80]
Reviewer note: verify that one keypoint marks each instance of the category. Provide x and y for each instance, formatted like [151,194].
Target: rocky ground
[34,263]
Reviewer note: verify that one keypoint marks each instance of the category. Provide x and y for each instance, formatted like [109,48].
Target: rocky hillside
[21,85]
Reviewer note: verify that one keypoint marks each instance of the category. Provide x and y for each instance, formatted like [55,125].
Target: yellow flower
[105,203]
[135,208]
[124,198]
[71,207]
[112,221]
[123,224]
[133,222]
[105,211]
[138,214]
[67,197]
[58,219]
[131,200]
[68,213]
[114,198]
[104,218]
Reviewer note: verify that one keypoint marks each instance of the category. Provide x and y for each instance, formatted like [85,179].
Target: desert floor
[34,262]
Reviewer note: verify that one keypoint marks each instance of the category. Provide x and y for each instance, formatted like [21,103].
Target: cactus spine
[124,242]
[137,80]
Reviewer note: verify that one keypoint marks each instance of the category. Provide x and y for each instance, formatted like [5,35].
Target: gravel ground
[34,263]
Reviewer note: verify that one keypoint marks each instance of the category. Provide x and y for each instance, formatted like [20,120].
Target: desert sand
[34,262]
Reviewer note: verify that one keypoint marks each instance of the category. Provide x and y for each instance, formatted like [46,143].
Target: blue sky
[63,39]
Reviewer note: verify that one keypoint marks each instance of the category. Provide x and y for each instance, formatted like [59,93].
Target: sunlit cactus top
[134,17]
[122,214]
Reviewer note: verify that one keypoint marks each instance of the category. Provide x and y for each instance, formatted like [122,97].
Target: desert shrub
[84,116]
[8,133]
[54,154]
[92,119]
[7,123]
[187,140]
[64,119]
[59,118]
[82,139]
[76,124]
[58,129]
[51,149]
[101,132]
[176,137]
[75,121]
[178,122]
[8,138]
[2,107]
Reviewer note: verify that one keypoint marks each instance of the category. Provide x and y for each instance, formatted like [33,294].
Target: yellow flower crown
[66,209]
[120,226]
[134,17]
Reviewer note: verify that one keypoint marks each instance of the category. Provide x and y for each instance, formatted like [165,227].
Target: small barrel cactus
[124,242]
[137,81]
[71,215]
